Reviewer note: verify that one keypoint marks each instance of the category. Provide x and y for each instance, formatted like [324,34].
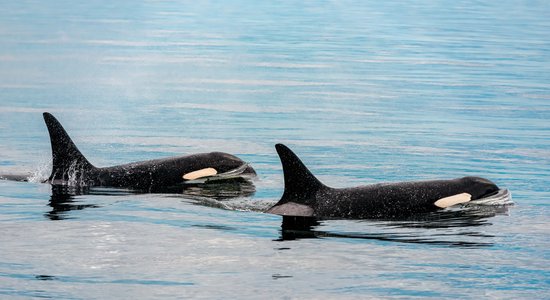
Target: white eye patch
[200,173]
[453,200]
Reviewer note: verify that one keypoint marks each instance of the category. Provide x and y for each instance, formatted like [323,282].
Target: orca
[69,166]
[305,196]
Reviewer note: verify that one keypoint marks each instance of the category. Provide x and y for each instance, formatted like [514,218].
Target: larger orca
[305,196]
[69,166]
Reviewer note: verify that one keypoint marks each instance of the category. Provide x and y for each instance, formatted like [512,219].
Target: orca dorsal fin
[67,160]
[300,184]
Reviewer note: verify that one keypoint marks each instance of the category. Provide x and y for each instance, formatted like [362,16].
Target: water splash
[502,197]
[74,175]
[41,173]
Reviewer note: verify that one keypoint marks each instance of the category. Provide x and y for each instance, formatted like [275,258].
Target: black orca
[305,196]
[71,167]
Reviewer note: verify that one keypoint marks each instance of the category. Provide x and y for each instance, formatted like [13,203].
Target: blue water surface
[363,91]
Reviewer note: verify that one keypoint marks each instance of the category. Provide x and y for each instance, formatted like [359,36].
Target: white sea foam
[503,197]
[41,173]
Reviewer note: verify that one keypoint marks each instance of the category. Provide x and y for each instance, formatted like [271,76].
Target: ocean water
[362,91]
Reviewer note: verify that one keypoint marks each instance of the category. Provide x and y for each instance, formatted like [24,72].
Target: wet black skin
[70,164]
[383,200]
[164,172]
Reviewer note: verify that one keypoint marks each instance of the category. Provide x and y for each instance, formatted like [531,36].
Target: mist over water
[363,91]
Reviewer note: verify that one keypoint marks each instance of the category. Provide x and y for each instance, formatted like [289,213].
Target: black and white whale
[71,167]
[305,196]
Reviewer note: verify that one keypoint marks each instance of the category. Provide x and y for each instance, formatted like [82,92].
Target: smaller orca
[305,196]
[72,168]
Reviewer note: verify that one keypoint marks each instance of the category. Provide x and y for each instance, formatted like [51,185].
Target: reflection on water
[420,229]
[221,190]
[63,200]
[465,216]
[66,198]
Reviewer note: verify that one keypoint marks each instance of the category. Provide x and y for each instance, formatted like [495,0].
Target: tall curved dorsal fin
[300,185]
[65,154]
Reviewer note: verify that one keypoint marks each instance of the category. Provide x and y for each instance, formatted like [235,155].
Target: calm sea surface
[363,91]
